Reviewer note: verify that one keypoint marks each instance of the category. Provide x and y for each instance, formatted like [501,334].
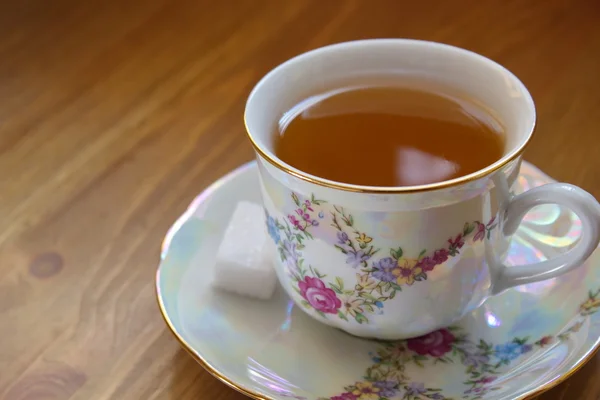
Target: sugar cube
[243,260]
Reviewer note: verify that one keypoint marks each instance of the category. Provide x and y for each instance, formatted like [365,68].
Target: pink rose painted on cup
[320,297]
[435,344]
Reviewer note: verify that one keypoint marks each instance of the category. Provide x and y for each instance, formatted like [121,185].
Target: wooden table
[115,114]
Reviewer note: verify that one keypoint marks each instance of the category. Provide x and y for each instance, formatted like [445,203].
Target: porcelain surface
[515,345]
[397,262]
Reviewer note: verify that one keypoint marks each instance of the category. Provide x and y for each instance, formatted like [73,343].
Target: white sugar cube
[243,260]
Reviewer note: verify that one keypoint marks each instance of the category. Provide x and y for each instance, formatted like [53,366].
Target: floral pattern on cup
[379,275]
[386,378]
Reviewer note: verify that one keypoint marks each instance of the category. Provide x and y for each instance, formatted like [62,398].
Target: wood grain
[115,114]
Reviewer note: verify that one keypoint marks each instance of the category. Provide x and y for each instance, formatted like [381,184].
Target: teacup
[398,262]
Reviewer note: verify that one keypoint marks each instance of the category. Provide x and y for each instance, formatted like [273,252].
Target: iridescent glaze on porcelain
[380,273]
[399,262]
[514,346]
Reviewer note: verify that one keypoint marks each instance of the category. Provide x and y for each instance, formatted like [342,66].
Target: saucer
[515,346]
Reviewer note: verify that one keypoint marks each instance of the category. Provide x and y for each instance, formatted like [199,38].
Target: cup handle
[581,203]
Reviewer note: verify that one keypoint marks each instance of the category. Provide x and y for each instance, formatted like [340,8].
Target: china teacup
[398,262]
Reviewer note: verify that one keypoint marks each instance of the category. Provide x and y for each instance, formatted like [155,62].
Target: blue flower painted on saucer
[510,351]
[483,361]
[490,356]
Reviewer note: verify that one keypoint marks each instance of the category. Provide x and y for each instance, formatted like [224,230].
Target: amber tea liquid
[389,136]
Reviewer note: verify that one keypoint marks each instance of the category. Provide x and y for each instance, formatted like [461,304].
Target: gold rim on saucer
[256,396]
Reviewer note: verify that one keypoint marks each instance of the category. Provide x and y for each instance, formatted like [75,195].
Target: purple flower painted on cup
[320,297]
[388,388]
[383,269]
[314,222]
[356,258]
[306,217]
[479,232]
[290,250]
[415,389]
[342,237]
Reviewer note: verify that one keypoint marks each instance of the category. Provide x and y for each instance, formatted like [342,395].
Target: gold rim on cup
[390,189]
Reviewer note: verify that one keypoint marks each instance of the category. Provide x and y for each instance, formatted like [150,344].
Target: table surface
[115,114]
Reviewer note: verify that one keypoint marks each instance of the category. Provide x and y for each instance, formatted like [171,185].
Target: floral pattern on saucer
[260,347]
[378,279]
[483,361]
